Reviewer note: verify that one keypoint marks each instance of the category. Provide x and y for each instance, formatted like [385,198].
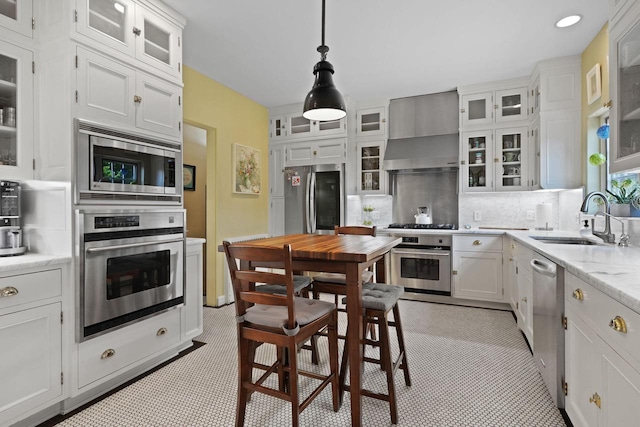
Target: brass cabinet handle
[108,353]
[618,324]
[161,331]
[578,294]
[596,400]
[137,99]
[477,242]
[9,291]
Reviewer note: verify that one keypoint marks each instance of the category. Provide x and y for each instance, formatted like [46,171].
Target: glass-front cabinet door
[477,109]
[477,161]
[371,121]
[159,42]
[511,159]
[109,22]
[17,16]
[16,107]
[277,128]
[511,105]
[625,138]
[370,172]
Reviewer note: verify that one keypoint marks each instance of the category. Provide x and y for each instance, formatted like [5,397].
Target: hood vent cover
[439,151]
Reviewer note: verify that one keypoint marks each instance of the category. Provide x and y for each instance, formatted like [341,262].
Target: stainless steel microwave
[113,166]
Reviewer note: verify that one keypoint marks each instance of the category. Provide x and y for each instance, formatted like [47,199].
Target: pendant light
[324,102]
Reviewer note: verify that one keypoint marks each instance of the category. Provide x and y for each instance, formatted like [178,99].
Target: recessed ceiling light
[568,21]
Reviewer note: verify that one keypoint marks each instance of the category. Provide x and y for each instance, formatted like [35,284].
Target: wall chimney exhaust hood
[423,132]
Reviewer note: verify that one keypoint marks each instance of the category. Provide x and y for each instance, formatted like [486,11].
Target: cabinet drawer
[115,351]
[30,287]
[477,243]
[600,310]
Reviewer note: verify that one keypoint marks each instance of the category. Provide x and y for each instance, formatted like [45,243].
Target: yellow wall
[596,53]
[194,153]
[229,118]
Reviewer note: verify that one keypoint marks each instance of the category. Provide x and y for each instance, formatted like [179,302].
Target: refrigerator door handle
[307,205]
[312,203]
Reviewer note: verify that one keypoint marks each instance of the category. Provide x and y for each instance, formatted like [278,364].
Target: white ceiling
[266,49]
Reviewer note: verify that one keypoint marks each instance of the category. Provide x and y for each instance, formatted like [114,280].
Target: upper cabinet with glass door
[371,122]
[625,91]
[134,30]
[492,106]
[17,16]
[299,127]
[16,117]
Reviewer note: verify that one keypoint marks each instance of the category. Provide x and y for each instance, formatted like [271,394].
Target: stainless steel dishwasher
[548,332]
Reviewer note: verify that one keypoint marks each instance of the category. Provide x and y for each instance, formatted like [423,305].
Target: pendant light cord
[323,49]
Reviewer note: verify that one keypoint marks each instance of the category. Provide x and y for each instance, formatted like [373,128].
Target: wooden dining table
[346,254]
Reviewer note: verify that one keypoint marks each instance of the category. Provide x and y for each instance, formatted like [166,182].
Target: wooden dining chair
[378,299]
[285,321]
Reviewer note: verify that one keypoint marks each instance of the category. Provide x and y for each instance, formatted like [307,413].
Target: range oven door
[129,278]
[421,270]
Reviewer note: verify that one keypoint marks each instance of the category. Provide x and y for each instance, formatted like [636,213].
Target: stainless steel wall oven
[131,266]
[115,167]
[422,263]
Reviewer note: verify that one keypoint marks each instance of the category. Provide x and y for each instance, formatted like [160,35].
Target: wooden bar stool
[378,299]
[286,321]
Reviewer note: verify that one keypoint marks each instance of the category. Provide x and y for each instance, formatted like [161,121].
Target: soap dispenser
[585,230]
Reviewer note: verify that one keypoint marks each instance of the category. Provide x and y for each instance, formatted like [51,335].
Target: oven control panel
[116,221]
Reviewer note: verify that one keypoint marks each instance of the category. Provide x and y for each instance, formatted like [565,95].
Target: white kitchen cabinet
[601,357]
[496,106]
[112,93]
[31,341]
[327,151]
[276,216]
[534,155]
[624,54]
[133,30]
[276,170]
[371,122]
[17,16]
[194,282]
[617,9]
[524,288]
[560,159]
[477,268]
[371,176]
[510,277]
[298,127]
[277,128]
[17,105]
[494,161]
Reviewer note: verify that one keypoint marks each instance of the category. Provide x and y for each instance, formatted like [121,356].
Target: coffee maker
[10,231]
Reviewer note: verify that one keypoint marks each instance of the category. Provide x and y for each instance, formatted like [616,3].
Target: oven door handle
[421,253]
[131,245]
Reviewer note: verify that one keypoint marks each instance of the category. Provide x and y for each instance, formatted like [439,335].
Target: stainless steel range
[422,262]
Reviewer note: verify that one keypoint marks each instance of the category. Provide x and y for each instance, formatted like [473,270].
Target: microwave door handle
[131,245]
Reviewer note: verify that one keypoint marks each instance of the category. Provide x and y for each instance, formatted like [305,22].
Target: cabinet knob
[477,242]
[108,353]
[137,99]
[9,291]
[578,294]
[137,31]
[524,300]
[595,399]
[454,272]
[618,324]
[161,331]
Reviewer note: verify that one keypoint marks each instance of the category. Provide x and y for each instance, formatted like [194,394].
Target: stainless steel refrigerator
[314,198]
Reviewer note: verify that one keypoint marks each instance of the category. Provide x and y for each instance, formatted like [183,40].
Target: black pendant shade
[324,102]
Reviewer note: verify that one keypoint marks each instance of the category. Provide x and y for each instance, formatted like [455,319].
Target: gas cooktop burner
[424,226]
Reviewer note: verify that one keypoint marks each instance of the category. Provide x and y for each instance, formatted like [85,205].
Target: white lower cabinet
[30,360]
[192,310]
[105,356]
[276,216]
[477,268]
[601,364]
[524,286]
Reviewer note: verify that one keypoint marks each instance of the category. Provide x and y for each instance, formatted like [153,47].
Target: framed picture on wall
[189,177]
[246,170]
[594,84]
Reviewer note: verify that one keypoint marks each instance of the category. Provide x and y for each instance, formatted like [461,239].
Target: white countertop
[31,260]
[195,241]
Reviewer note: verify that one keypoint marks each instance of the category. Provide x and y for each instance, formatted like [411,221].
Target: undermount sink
[564,240]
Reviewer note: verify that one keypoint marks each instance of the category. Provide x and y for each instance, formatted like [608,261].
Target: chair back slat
[360,230]
[245,277]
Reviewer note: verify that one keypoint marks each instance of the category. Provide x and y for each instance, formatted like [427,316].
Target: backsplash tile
[381,216]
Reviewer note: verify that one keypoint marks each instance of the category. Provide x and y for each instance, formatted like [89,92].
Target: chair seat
[341,278]
[307,310]
[379,296]
[299,283]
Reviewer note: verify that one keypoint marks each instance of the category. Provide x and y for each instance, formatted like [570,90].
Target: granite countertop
[31,260]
